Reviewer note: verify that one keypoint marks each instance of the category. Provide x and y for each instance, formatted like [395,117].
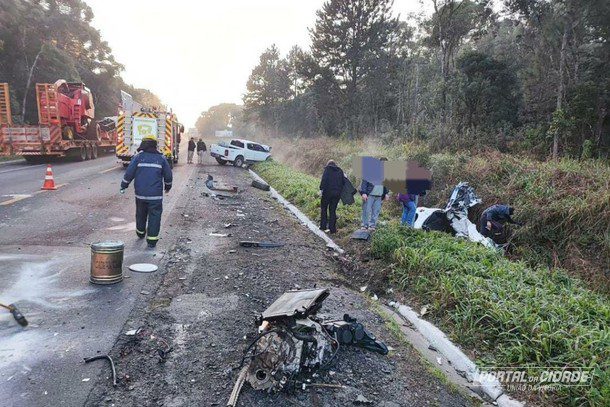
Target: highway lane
[44,268]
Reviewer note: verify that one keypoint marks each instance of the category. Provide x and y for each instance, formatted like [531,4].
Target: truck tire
[34,159]
[220,161]
[239,161]
[94,152]
[260,185]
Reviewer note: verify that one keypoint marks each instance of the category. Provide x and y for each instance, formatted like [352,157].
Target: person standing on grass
[331,187]
[409,206]
[191,151]
[372,197]
[201,149]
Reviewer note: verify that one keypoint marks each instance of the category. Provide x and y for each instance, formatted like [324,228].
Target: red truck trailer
[66,125]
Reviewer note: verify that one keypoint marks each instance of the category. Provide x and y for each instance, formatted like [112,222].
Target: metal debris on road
[260,185]
[247,243]
[16,314]
[220,234]
[293,343]
[143,268]
[87,360]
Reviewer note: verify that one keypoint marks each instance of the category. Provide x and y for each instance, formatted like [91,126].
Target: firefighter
[152,175]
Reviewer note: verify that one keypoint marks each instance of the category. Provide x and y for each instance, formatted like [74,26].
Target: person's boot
[151,244]
[140,235]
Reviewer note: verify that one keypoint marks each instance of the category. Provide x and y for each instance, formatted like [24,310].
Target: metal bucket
[107,262]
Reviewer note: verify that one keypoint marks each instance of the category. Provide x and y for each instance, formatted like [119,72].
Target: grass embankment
[564,204]
[513,314]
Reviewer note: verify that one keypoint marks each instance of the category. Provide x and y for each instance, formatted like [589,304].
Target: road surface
[44,269]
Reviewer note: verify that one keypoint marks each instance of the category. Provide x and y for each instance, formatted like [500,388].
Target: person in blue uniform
[151,174]
[493,219]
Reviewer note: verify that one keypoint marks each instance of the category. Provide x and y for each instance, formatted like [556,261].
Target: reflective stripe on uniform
[150,165]
[149,197]
[168,183]
[125,181]
[140,231]
[152,237]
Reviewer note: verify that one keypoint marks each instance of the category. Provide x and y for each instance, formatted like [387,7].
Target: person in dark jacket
[331,187]
[152,174]
[201,149]
[372,197]
[409,207]
[191,152]
[493,219]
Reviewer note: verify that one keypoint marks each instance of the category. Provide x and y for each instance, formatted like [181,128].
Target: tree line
[518,75]
[43,41]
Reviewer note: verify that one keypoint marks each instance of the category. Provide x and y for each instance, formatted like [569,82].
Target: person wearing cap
[152,174]
[493,219]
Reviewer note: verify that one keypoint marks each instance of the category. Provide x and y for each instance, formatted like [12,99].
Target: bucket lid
[107,245]
[143,268]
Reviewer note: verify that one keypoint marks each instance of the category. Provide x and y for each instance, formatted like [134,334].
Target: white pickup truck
[240,152]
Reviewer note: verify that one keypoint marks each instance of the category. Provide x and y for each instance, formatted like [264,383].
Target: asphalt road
[44,269]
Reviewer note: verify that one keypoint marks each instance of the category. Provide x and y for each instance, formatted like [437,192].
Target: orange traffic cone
[49,182]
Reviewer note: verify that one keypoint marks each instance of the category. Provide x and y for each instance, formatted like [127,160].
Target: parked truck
[66,125]
[135,122]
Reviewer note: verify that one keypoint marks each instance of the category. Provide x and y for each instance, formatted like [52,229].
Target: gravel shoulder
[204,305]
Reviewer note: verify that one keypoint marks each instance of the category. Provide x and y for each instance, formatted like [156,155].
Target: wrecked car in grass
[454,218]
[293,343]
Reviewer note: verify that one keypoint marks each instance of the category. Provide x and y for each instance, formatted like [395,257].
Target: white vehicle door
[256,152]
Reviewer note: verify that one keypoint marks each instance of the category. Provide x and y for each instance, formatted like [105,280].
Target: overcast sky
[198,53]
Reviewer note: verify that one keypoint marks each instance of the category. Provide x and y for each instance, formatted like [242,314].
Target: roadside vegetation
[564,204]
[511,313]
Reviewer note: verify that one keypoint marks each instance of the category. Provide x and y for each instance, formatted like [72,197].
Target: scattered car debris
[247,243]
[215,234]
[362,400]
[260,185]
[16,314]
[88,360]
[228,225]
[133,332]
[454,218]
[361,234]
[293,343]
[219,186]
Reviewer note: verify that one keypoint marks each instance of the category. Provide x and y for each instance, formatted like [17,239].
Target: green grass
[511,313]
[564,204]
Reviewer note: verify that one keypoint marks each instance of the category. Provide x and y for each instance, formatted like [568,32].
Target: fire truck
[66,125]
[135,122]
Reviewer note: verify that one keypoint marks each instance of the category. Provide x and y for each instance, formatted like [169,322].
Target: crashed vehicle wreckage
[454,218]
[293,343]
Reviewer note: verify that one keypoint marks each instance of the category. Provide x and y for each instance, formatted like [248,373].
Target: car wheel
[221,161]
[239,161]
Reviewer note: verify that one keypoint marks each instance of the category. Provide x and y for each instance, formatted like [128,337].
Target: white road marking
[108,170]
[16,198]
[22,168]
[20,197]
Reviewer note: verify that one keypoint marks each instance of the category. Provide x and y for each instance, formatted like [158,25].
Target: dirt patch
[197,324]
